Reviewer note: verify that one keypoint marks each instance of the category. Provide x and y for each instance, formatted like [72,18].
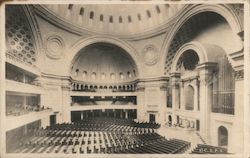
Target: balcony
[77,107]
[14,121]
[22,87]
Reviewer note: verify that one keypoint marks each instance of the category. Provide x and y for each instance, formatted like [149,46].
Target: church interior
[163,78]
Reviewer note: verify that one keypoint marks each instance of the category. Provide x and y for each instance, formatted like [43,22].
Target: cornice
[68,78]
[53,76]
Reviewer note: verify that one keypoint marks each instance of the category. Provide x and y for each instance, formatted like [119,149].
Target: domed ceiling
[121,19]
[103,63]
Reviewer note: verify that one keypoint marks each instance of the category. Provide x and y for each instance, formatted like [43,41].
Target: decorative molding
[150,55]
[239,75]
[66,87]
[140,88]
[241,34]
[54,47]
[164,88]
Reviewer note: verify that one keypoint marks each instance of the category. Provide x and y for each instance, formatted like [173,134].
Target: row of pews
[100,136]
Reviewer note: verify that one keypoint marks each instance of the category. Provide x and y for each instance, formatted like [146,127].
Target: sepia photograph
[124,78]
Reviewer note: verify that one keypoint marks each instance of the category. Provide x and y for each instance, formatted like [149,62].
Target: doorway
[197,125]
[222,136]
[152,118]
[170,120]
[52,120]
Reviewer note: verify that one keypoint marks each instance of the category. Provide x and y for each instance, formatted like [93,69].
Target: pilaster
[205,73]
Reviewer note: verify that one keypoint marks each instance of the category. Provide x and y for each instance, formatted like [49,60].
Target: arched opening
[195,28]
[222,136]
[187,61]
[189,98]
[104,63]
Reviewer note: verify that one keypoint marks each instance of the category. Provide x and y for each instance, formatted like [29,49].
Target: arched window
[93,75]
[148,14]
[187,61]
[189,98]
[70,6]
[91,15]
[111,19]
[134,72]
[112,76]
[129,75]
[120,19]
[103,76]
[81,11]
[121,76]
[158,9]
[76,72]
[84,74]
[139,17]
[222,136]
[129,19]
[101,17]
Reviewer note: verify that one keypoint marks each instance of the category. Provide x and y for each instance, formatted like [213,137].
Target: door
[197,125]
[169,120]
[52,120]
[152,118]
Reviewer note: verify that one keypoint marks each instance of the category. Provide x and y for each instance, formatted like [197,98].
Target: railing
[223,110]
[18,111]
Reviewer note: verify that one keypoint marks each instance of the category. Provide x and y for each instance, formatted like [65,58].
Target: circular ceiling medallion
[54,47]
[150,54]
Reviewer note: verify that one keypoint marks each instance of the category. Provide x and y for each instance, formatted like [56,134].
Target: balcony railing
[223,110]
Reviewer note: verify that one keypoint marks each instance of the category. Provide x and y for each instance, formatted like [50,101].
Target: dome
[118,19]
[103,63]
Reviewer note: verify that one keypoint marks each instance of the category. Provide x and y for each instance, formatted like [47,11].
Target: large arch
[102,39]
[225,11]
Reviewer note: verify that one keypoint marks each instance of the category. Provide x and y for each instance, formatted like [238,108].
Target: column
[66,99]
[196,95]
[162,103]
[175,78]
[239,110]
[126,114]
[140,89]
[24,78]
[182,96]
[205,72]
[25,102]
[81,115]
[121,114]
